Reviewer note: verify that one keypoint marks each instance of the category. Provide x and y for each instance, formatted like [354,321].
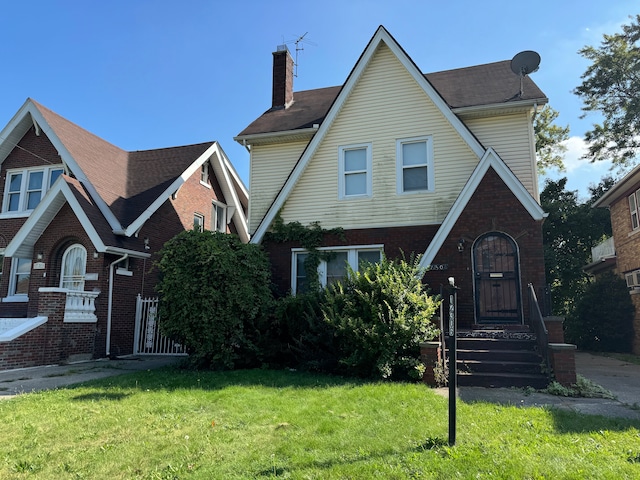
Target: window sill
[205,184]
[23,214]
[16,299]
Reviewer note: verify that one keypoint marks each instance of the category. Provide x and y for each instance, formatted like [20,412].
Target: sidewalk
[25,380]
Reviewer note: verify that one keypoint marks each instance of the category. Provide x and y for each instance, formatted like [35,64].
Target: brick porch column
[430,355]
[563,362]
[555,329]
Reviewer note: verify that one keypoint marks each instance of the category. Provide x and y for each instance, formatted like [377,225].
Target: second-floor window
[198,222]
[25,188]
[414,159]
[634,208]
[219,217]
[354,171]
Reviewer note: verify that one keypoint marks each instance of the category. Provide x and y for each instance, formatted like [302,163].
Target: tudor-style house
[81,222]
[621,253]
[440,164]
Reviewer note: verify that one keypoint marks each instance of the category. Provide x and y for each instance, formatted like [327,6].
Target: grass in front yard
[169,423]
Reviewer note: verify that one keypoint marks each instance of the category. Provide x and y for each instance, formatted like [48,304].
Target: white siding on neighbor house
[270,167]
[511,136]
[386,105]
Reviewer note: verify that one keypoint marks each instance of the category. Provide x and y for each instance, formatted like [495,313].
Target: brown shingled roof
[481,85]
[128,182]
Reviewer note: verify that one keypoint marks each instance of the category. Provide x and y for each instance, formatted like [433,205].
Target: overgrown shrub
[380,316]
[215,298]
[603,318]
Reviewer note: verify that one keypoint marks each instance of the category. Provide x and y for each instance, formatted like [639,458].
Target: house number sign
[439,266]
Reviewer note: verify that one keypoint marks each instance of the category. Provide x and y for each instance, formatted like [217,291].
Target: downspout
[110,301]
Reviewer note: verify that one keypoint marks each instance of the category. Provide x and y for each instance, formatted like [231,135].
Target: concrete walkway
[620,378]
[25,380]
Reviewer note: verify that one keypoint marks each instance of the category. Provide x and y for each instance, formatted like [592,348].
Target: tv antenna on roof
[523,64]
[299,48]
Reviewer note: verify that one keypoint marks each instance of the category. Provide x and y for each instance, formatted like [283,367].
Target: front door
[497,279]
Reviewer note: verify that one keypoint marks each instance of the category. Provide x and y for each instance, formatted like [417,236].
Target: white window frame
[13,282]
[400,167]
[352,260]
[342,173]
[79,277]
[218,209]
[634,209]
[24,188]
[204,174]
[1,260]
[198,221]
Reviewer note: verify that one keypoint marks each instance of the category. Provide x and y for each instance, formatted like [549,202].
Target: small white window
[198,222]
[219,217]
[335,268]
[25,188]
[633,209]
[354,171]
[204,174]
[1,260]
[74,264]
[414,165]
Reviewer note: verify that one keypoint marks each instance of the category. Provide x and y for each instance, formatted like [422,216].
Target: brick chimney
[282,95]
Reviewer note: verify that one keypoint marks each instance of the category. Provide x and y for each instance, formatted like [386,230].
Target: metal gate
[148,339]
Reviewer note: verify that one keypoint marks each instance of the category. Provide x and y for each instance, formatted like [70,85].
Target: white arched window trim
[74,265]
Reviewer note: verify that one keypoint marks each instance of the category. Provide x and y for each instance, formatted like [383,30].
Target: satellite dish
[525,62]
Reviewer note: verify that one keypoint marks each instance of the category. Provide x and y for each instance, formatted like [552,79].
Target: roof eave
[276,137]
[506,107]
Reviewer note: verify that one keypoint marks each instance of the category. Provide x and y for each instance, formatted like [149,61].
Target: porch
[64,330]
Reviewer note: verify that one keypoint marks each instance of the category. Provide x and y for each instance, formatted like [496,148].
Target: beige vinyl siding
[270,167]
[385,105]
[511,136]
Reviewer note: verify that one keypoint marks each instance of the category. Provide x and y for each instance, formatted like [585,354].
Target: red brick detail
[555,330]
[563,363]
[282,88]
[430,355]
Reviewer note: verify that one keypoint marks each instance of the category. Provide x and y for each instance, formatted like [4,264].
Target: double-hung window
[204,174]
[414,165]
[634,209]
[19,280]
[333,269]
[354,171]
[25,188]
[219,217]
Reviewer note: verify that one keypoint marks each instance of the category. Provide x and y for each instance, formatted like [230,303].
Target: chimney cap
[282,48]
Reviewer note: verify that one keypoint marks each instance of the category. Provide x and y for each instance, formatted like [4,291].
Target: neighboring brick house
[439,164]
[81,224]
[621,253]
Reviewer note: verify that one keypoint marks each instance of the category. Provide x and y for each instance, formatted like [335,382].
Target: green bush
[603,318]
[215,298]
[380,316]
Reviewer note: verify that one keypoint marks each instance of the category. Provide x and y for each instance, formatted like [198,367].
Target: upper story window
[219,217]
[634,208]
[204,174]
[198,222]
[414,165]
[25,188]
[354,171]
[74,264]
[335,268]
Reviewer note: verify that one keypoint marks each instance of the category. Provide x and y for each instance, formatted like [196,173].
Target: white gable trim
[22,244]
[490,159]
[381,36]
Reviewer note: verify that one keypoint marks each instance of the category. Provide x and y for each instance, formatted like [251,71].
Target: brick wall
[493,207]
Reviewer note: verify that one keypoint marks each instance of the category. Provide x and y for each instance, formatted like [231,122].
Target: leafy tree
[569,232]
[549,138]
[603,317]
[611,86]
[215,298]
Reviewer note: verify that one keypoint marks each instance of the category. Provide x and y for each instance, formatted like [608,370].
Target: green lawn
[170,424]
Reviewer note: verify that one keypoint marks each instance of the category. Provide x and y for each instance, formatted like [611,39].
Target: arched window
[74,264]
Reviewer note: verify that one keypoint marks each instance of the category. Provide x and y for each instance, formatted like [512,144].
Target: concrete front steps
[499,358]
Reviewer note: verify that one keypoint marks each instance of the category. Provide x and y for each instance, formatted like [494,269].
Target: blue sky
[154,73]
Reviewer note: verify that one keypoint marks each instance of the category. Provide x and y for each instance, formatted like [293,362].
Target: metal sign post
[453,374]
